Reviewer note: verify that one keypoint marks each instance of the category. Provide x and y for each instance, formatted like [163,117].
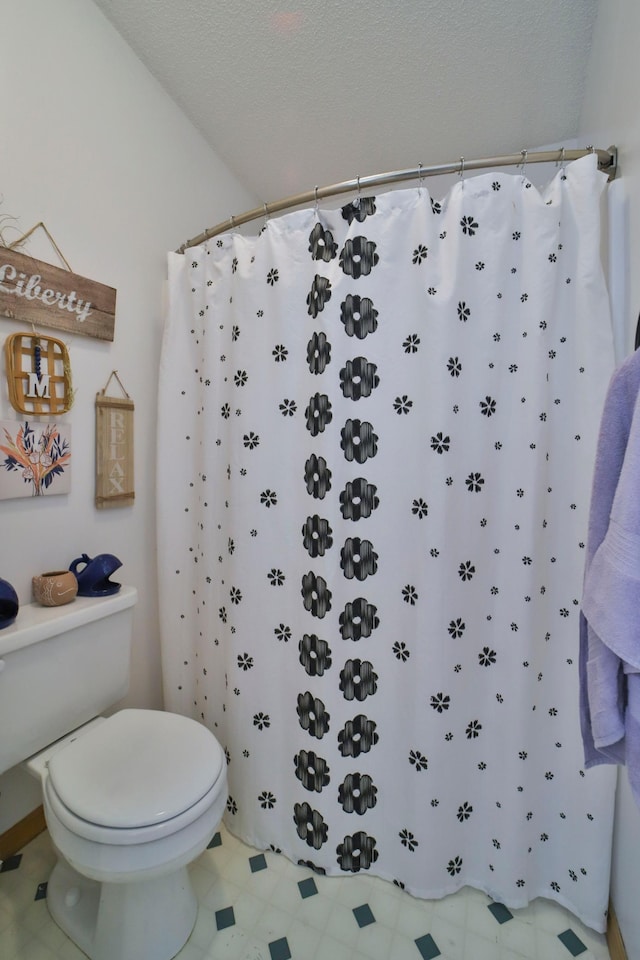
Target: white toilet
[129,800]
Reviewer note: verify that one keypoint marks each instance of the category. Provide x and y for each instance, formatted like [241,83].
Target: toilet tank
[60,667]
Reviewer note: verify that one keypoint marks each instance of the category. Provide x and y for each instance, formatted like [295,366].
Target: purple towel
[610,616]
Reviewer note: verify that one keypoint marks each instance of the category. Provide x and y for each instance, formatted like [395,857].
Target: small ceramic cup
[54,588]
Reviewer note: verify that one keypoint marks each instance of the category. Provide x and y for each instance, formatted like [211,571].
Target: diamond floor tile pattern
[257,905]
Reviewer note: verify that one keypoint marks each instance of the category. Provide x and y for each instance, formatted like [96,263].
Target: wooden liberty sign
[48,296]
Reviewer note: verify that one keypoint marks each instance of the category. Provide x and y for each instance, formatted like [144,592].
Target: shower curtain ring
[562,173]
[266,213]
[461,170]
[356,202]
[419,177]
[523,154]
[315,204]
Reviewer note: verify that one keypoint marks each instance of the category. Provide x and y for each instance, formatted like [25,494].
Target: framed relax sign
[48,296]
[114,449]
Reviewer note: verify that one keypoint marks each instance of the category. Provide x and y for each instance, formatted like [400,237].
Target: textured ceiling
[327,90]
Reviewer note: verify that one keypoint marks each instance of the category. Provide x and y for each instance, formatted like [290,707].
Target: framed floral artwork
[35,459]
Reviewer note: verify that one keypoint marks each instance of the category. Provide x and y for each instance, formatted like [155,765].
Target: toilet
[130,800]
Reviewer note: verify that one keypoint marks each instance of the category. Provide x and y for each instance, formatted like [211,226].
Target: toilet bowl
[130,801]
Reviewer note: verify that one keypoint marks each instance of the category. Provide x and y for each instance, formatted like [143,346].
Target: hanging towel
[609,660]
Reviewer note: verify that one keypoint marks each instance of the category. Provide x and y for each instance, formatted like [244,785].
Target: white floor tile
[69,951]
[205,929]
[35,915]
[330,949]
[453,908]
[549,914]
[506,953]
[403,948]
[374,942]
[201,880]
[595,942]
[15,894]
[273,924]
[449,937]
[13,940]
[315,911]
[268,906]
[237,870]
[191,951]
[303,939]
[479,948]
[354,890]
[385,905]
[285,894]
[5,919]
[548,947]
[481,921]
[342,925]
[249,909]
[518,937]
[330,887]
[51,934]
[230,944]
[36,950]
[415,917]
[222,894]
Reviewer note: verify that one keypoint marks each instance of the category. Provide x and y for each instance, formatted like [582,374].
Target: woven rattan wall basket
[38,374]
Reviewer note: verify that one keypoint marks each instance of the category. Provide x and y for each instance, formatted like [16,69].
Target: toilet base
[145,920]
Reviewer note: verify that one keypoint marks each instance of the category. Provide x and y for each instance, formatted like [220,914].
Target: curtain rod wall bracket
[612,167]
[607,163]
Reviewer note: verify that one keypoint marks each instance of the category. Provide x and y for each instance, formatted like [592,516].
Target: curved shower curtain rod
[607,162]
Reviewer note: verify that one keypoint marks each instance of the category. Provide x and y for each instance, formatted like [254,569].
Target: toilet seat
[139,776]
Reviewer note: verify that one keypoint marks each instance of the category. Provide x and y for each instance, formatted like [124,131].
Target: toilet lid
[138,768]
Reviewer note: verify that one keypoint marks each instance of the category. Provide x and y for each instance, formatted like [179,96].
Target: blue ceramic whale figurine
[8,604]
[93,579]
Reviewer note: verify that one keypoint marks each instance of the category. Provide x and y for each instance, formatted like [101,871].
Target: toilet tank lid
[138,768]
[35,623]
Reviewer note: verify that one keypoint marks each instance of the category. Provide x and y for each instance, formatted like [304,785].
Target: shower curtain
[377,427]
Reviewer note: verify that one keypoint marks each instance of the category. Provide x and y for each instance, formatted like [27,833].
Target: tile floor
[260,906]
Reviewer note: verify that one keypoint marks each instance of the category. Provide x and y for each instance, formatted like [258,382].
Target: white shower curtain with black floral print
[377,428]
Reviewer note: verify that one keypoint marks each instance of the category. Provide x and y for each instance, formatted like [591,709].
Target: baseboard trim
[615,942]
[18,836]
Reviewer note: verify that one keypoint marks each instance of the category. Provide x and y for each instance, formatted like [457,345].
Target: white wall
[92,146]
[610,115]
